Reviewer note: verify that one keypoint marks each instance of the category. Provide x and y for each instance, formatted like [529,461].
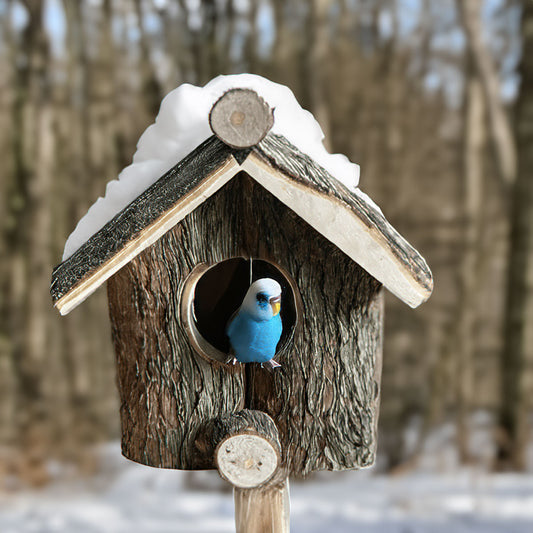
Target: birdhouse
[231,185]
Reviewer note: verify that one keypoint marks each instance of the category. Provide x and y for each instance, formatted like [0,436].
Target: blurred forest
[424,94]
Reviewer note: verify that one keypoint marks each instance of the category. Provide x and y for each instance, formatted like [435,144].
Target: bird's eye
[262,298]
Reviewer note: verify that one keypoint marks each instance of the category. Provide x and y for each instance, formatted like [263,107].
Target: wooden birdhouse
[247,199]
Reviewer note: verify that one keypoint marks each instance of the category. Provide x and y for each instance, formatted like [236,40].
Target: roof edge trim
[346,218]
[187,203]
[362,240]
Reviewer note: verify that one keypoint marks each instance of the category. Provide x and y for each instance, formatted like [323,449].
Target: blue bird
[255,329]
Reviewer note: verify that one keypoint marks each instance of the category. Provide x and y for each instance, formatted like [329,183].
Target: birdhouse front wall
[324,399]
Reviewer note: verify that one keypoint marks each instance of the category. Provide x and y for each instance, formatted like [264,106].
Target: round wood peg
[241,118]
[247,461]
[248,452]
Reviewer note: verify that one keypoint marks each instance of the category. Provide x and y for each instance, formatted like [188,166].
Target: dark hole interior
[221,290]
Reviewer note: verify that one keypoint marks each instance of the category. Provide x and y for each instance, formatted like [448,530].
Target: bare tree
[31,275]
[514,402]
[465,346]
[150,84]
[316,68]
[500,128]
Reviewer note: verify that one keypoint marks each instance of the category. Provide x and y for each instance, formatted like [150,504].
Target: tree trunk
[37,143]
[513,411]
[151,88]
[8,226]
[282,46]
[251,47]
[465,341]
[500,128]
[316,54]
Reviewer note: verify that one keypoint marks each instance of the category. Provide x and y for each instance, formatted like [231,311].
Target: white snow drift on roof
[183,123]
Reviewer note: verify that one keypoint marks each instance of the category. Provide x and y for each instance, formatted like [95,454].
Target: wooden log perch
[248,452]
[241,118]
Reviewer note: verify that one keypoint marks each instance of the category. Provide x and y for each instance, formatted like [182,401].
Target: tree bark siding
[167,392]
[324,398]
[246,420]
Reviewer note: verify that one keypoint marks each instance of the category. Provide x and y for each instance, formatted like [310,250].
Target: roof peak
[182,124]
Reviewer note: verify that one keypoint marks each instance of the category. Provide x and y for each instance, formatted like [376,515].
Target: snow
[182,124]
[126,497]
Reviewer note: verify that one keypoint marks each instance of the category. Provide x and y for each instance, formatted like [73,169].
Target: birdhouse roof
[322,192]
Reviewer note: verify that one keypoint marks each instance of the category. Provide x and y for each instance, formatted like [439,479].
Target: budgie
[256,327]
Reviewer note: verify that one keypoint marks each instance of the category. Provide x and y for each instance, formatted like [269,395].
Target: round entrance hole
[212,294]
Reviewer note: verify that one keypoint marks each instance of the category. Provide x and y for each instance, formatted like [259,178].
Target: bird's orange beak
[275,303]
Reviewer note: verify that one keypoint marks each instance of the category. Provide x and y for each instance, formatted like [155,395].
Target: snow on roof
[183,123]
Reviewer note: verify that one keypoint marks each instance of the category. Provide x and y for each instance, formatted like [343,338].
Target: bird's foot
[271,365]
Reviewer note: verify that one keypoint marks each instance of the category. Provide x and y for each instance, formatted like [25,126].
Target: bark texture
[254,422]
[323,400]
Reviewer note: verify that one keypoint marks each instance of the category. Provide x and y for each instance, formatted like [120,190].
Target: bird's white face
[263,299]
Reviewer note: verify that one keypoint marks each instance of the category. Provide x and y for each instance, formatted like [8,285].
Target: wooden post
[248,455]
[262,510]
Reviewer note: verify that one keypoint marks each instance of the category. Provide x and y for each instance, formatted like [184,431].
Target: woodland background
[433,98]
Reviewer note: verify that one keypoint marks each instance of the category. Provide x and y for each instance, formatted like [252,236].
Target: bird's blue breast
[254,341]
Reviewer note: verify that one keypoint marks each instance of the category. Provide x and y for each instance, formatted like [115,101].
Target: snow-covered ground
[436,495]
[131,498]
